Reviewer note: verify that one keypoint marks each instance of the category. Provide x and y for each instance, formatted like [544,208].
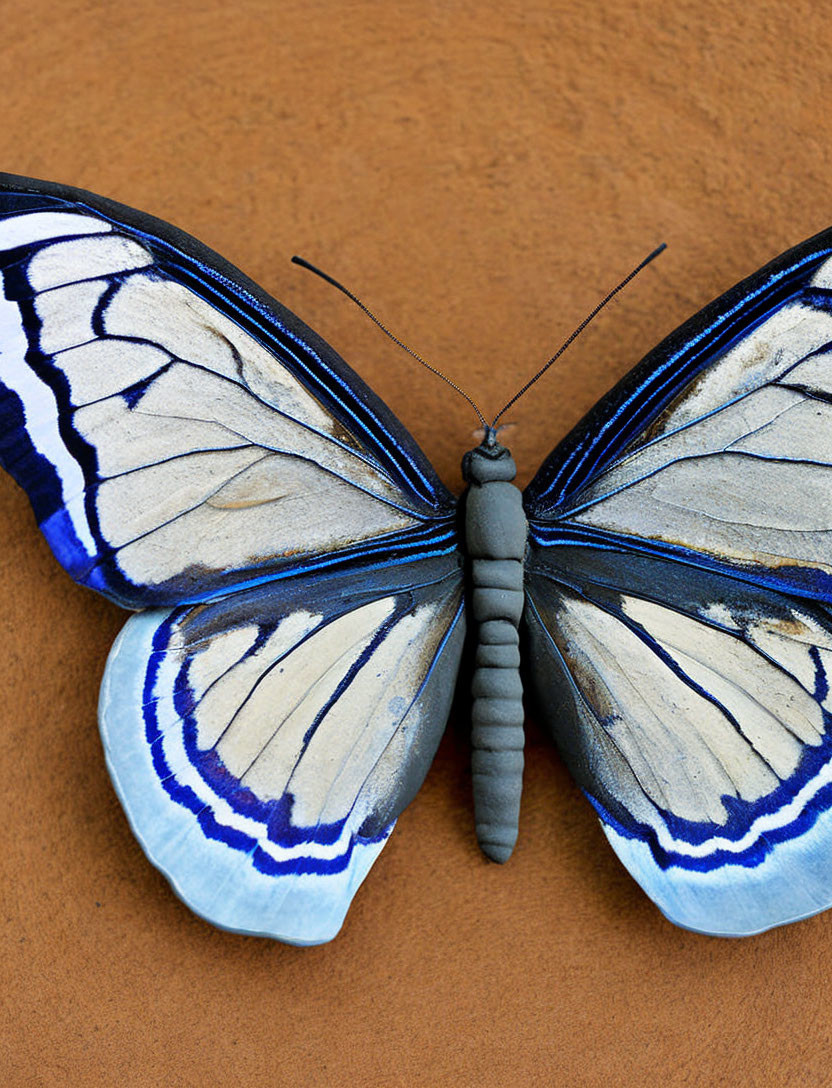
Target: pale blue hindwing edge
[241,864]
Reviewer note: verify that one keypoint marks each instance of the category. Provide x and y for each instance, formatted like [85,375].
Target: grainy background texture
[481,173]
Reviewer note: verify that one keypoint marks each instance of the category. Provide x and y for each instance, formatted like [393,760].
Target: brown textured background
[481,172]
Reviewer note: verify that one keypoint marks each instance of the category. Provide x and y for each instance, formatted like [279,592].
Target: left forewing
[179,433]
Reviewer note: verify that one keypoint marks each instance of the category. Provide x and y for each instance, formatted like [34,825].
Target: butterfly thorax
[495,538]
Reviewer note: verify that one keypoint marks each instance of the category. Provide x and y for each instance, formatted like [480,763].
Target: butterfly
[302,580]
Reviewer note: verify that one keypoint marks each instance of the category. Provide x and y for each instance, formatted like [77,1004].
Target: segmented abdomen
[496,540]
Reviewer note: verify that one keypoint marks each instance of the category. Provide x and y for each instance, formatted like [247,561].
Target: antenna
[650,257]
[535,378]
[354,298]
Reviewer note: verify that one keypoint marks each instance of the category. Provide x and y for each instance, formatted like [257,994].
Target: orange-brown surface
[481,173]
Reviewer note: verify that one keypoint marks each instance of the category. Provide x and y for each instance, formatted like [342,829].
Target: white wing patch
[66,316]
[58,264]
[706,734]
[721,722]
[22,230]
[104,368]
[189,329]
[40,410]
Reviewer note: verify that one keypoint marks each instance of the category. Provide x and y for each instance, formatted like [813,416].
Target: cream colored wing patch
[739,466]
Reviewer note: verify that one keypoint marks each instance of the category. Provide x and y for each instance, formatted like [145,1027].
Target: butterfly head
[488,461]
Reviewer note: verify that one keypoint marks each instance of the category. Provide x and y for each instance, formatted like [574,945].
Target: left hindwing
[264,744]
[679,577]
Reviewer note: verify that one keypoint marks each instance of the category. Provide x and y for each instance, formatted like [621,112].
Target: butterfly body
[495,539]
[301,579]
